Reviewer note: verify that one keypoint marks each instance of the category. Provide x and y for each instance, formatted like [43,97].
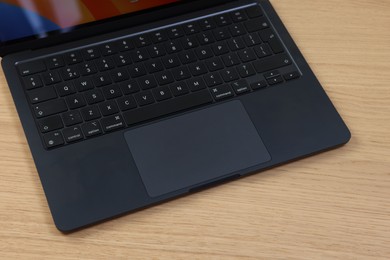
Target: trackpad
[194,148]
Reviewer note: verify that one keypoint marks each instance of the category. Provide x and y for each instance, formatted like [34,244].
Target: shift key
[272,62]
[50,108]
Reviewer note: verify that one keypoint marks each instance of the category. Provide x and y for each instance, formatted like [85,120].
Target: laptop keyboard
[95,90]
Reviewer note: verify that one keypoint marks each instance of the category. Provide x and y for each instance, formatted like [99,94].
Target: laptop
[127,104]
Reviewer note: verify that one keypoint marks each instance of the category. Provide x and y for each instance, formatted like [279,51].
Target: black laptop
[126,104]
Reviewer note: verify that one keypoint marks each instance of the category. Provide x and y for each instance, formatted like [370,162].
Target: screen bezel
[107,25]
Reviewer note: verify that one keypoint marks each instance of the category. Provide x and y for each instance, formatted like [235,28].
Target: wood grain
[335,205]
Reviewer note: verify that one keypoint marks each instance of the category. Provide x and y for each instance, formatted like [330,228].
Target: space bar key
[167,107]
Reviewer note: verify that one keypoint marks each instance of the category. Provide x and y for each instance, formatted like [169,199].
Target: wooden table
[335,205]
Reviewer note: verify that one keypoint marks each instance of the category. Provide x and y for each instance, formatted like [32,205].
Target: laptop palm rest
[195,148]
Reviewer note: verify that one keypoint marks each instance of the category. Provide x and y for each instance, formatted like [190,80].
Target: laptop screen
[21,19]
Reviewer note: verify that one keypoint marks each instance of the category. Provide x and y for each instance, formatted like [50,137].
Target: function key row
[155,37]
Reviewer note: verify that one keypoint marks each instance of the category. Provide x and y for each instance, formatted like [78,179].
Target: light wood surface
[335,205]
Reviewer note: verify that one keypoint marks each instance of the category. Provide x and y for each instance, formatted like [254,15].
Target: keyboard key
[215,64]
[50,78]
[164,77]
[109,108]
[70,73]
[196,84]
[137,70]
[65,89]
[159,36]
[112,123]
[142,41]
[267,35]
[252,39]
[94,96]
[240,86]
[213,79]
[223,19]
[237,30]
[275,80]
[271,63]
[154,66]
[175,32]
[91,53]
[257,24]
[270,37]
[236,44]
[171,61]
[54,139]
[109,49]
[72,118]
[271,74]
[92,129]
[179,89]
[144,98]
[198,68]
[112,91]
[246,70]
[259,85]
[204,53]
[173,46]
[49,108]
[167,107]
[72,134]
[55,62]
[124,45]
[247,55]
[140,55]
[50,124]
[191,28]
[291,75]
[254,11]
[31,67]
[90,113]
[229,74]
[222,92]
[147,82]
[32,82]
[106,63]
[129,87]
[119,75]
[207,24]
[187,57]
[221,34]
[87,68]
[122,59]
[220,48]
[73,57]
[102,79]
[83,84]
[126,103]
[76,101]
[162,93]
[190,42]
[156,50]
[231,59]
[206,38]
[41,94]
[181,73]
[239,16]
[263,50]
